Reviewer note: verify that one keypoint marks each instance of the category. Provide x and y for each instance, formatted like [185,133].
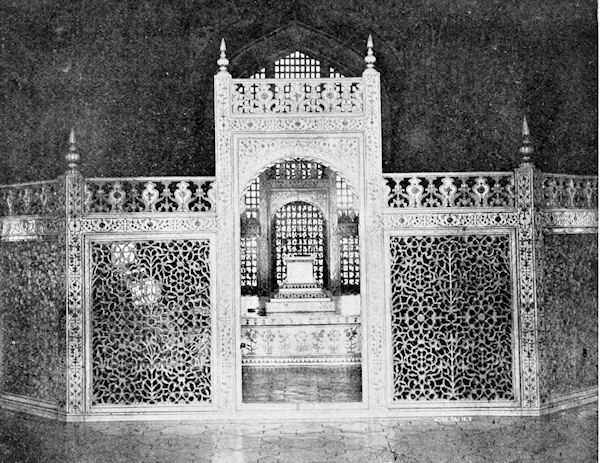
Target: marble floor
[302,384]
[569,436]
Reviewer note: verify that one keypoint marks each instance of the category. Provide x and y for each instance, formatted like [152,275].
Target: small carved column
[526,175]
[227,278]
[75,401]
[264,240]
[334,237]
[372,244]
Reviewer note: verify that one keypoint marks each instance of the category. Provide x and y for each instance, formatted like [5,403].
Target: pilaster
[227,270]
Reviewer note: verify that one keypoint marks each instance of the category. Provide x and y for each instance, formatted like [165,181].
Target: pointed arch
[295,36]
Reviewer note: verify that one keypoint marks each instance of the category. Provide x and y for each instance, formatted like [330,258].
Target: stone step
[290,319]
[293,305]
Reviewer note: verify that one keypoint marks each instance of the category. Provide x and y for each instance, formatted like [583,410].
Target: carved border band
[430,219]
[583,218]
[74,302]
[225,387]
[195,222]
[526,250]
[24,228]
[339,123]
[372,247]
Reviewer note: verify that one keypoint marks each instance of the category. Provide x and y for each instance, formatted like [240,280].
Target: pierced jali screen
[350,263]
[299,229]
[451,317]
[150,322]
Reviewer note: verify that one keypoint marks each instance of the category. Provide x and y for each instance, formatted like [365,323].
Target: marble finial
[370,58]
[526,149]
[72,157]
[223,62]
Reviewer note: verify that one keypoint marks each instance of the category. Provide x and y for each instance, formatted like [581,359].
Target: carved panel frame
[350,145]
[78,232]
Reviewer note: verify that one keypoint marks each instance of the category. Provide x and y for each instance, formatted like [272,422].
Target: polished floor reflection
[569,436]
[302,384]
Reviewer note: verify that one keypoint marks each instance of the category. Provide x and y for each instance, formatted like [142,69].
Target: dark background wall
[135,79]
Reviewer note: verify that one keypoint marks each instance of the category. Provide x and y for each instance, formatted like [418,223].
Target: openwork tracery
[293,181]
[299,229]
[494,189]
[297,65]
[148,195]
[38,198]
[451,312]
[569,191]
[150,322]
[274,96]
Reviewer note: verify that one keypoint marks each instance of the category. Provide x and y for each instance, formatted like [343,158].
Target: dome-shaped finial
[370,58]
[526,149]
[223,62]
[72,157]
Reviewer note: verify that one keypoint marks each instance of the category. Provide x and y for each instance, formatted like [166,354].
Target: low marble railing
[569,191]
[280,96]
[148,194]
[452,190]
[35,198]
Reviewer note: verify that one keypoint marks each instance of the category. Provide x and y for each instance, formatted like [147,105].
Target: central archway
[300,284]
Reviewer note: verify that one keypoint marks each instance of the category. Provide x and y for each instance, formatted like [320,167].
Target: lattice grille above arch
[298,65]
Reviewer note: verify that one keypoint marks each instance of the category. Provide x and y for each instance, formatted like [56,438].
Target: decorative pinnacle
[72,157]
[223,61]
[526,149]
[370,58]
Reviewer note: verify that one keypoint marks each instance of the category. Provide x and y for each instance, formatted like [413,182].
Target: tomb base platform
[301,339]
[295,304]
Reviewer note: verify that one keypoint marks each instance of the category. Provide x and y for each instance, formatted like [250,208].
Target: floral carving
[319,343]
[452,317]
[526,276]
[39,198]
[148,195]
[450,191]
[283,96]
[569,191]
[151,322]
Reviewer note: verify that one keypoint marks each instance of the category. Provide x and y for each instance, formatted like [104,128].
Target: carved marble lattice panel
[151,322]
[567,296]
[452,320]
[32,319]
[299,229]
[349,264]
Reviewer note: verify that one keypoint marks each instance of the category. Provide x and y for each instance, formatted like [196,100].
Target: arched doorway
[300,286]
